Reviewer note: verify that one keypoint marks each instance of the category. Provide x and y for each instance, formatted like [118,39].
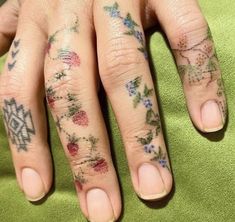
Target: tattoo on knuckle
[132,28]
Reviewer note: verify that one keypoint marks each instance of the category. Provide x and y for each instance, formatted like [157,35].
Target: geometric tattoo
[132,27]
[19,124]
[74,112]
[152,121]
[14,53]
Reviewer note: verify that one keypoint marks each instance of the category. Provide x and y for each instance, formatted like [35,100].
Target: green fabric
[204,167]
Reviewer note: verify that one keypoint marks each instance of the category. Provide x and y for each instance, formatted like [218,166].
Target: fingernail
[212,119]
[32,185]
[151,185]
[99,206]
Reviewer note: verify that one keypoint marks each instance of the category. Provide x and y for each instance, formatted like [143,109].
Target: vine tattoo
[152,120]
[74,111]
[199,60]
[13,54]
[19,124]
[133,28]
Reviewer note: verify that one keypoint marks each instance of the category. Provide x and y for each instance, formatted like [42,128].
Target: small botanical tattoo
[74,111]
[198,61]
[14,54]
[93,160]
[152,120]
[133,28]
[19,124]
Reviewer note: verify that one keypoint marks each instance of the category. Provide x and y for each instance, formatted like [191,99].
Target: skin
[53,54]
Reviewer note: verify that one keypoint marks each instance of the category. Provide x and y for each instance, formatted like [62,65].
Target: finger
[8,23]
[71,88]
[23,110]
[127,80]
[192,43]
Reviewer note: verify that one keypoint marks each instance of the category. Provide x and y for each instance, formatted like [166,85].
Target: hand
[64,34]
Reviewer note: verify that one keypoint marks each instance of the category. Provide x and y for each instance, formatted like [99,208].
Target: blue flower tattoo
[131,25]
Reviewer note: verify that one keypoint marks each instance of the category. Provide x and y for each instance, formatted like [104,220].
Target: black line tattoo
[19,124]
[14,53]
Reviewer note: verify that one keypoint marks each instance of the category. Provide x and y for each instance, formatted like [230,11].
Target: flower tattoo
[74,111]
[152,120]
[200,60]
[132,27]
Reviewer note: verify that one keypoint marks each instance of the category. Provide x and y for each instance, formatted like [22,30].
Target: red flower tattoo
[80,118]
[101,166]
[69,57]
[50,101]
[73,149]
[72,146]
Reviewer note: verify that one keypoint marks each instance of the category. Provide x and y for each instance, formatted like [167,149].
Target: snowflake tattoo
[19,124]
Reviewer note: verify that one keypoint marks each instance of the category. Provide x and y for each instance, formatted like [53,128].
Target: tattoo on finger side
[19,124]
[133,29]
[13,54]
[152,120]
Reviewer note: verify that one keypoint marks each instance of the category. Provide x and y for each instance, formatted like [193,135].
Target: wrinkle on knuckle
[188,22]
[90,166]
[12,87]
[117,62]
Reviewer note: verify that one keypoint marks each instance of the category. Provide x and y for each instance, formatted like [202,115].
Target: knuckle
[60,95]
[118,60]
[188,21]
[91,164]
[12,87]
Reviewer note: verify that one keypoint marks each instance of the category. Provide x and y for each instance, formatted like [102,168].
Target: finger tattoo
[133,29]
[152,120]
[74,113]
[19,123]
[13,54]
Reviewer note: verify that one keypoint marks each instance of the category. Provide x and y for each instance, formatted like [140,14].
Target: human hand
[71,81]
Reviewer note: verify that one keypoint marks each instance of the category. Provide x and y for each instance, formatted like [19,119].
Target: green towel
[203,166]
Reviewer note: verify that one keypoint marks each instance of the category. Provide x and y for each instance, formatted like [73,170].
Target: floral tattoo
[152,120]
[19,123]
[13,54]
[133,28]
[199,60]
[74,111]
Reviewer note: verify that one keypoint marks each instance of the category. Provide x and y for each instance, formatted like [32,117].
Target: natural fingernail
[32,185]
[99,206]
[212,119]
[151,185]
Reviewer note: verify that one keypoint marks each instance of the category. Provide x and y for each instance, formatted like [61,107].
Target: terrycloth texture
[203,166]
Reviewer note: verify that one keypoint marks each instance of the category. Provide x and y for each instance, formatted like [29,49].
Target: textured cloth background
[203,166]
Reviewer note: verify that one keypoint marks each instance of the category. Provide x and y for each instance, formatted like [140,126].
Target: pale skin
[53,54]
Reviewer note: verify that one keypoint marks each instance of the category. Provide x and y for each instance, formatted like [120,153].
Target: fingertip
[211,116]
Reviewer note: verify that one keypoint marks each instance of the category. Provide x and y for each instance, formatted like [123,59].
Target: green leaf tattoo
[152,119]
